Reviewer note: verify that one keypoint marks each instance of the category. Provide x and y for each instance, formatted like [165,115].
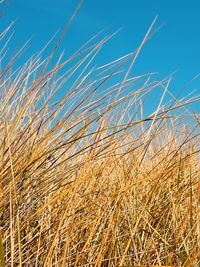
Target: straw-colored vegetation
[87,178]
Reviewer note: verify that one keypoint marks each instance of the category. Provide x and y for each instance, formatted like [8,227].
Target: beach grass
[88,175]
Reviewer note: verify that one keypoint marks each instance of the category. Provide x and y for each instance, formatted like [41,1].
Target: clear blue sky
[176,46]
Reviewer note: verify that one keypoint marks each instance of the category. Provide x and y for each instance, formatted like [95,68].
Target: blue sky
[175,47]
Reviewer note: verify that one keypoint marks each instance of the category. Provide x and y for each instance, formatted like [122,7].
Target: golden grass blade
[2,261]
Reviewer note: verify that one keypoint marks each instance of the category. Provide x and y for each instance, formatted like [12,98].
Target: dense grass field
[88,176]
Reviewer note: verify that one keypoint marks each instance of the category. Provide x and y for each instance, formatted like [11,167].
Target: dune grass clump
[87,178]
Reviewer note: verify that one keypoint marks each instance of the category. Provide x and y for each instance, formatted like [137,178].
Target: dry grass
[86,178]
